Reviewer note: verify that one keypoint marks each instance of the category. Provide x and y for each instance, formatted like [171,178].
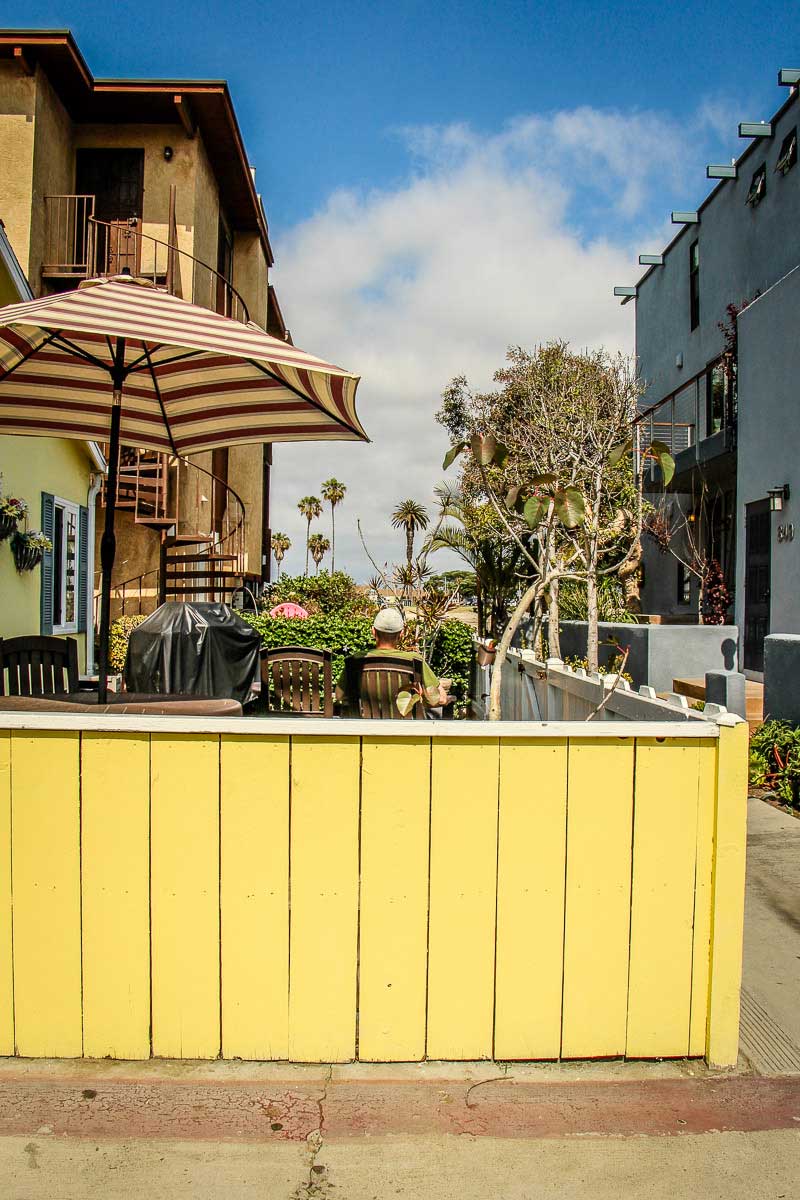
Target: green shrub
[341,635]
[612,667]
[331,595]
[119,633]
[451,658]
[775,760]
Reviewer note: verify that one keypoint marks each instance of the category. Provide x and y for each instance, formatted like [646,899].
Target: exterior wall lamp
[777,497]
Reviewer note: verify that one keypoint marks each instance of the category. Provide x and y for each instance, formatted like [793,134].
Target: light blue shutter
[48,529]
[83,558]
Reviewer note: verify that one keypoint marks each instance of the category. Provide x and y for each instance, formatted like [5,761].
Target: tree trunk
[502,649]
[308,535]
[592,638]
[409,562]
[553,631]
[480,608]
[333,538]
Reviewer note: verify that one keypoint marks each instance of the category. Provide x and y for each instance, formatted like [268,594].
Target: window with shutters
[65,566]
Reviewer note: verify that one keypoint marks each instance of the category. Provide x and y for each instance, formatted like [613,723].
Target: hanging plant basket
[7,526]
[28,549]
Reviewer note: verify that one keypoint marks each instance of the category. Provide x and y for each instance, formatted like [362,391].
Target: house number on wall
[786,533]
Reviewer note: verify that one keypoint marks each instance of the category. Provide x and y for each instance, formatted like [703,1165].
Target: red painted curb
[252,1111]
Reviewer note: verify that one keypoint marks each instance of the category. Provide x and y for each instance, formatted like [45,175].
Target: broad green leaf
[534,511]
[570,507]
[432,696]
[405,701]
[500,455]
[484,447]
[661,453]
[452,454]
[617,454]
[512,496]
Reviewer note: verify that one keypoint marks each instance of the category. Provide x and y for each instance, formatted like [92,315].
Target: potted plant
[486,652]
[12,510]
[28,546]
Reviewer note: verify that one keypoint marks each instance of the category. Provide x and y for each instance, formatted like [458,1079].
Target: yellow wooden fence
[346,890]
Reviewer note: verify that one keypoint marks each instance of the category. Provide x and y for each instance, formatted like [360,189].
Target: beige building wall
[206,227]
[17,128]
[251,275]
[245,476]
[53,167]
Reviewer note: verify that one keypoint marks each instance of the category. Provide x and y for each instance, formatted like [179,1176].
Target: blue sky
[443,180]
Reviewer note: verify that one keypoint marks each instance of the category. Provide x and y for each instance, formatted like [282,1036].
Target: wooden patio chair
[297,681]
[373,685]
[38,666]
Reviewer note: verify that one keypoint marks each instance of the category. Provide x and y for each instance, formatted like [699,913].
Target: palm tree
[411,516]
[319,546]
[311,508]
[496,564]
[333,491]
[280,544]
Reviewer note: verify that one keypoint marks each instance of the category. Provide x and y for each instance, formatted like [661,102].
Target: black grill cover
[201,649]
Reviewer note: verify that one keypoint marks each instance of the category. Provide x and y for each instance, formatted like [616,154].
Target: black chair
[297,681]
[38,666]
[373,684]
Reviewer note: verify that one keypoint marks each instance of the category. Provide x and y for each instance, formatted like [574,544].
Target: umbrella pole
[108,542]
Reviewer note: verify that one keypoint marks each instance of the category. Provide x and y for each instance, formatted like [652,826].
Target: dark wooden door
[116,180]
[757,575]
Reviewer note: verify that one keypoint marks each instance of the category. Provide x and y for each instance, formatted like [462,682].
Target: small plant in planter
[28,547]
[12,510]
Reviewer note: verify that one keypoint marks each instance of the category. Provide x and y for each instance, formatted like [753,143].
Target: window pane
[716,399]
[58,565]
[70,564]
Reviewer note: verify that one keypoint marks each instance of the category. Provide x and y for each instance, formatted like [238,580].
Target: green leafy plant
[342,635]
[452,657]
[120,632]
[775,760]
[331,593]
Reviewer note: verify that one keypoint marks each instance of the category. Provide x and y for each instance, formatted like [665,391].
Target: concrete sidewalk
[770,1028]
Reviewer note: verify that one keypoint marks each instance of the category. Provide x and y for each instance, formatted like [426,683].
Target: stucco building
[148,176]
[717,338]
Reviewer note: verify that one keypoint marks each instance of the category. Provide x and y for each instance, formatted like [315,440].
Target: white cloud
[483,245]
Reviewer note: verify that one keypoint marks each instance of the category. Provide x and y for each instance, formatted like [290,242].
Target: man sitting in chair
[388,628]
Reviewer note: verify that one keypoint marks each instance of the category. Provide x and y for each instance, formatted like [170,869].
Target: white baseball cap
[389,620]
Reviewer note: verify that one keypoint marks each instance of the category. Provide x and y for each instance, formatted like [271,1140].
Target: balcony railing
[67,249]
[79,245]
[702,409]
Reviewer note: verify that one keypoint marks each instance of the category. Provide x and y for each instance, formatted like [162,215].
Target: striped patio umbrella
[122,362]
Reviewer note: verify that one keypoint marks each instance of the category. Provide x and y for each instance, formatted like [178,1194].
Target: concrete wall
[742,250]
[659,653]
[30,466]
[782,677]
[769,448]
[245,476]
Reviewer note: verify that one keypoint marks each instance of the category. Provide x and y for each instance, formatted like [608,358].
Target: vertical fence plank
[463,889]
[597,916]
[185,895]
[45,864]
[115,842]
[395,813]
[701,942]
[727,908]
[530,898]
[254,896]
[662,901]
[6,939]
[324,888]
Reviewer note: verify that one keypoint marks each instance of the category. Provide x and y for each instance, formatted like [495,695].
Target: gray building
[718,343]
